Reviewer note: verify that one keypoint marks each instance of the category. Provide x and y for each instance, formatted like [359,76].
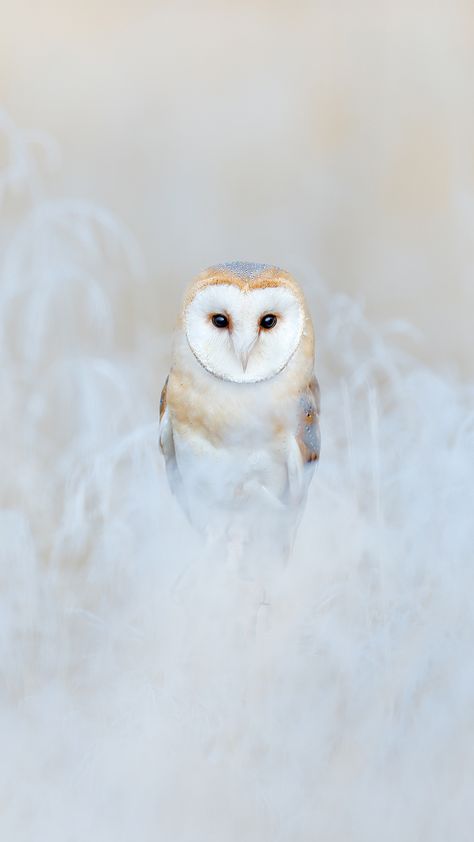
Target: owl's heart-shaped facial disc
[244,335]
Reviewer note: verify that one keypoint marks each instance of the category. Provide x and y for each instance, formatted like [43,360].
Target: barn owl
[239,412]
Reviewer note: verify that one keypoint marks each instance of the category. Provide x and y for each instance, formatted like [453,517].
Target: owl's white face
[244,335]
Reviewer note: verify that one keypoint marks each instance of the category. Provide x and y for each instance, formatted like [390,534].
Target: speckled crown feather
[242,269]
[246,276]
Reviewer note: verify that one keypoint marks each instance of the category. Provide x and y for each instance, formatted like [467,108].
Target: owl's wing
[304,447]
[167,443]
[308,435]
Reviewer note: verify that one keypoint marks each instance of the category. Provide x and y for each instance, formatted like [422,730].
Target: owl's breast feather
[230,415]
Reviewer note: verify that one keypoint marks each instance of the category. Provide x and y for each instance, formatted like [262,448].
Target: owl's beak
[244,359]
[243,349]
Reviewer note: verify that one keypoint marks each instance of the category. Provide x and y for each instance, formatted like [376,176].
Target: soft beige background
[149,689]
[330,137]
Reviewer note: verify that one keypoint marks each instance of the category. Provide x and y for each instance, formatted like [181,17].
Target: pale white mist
[145,694]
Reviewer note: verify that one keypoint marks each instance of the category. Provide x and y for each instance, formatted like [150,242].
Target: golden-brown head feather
[245,276]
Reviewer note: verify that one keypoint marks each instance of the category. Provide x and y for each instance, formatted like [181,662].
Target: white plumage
[240,409]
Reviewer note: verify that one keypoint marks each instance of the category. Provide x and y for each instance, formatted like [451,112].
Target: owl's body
[239,420]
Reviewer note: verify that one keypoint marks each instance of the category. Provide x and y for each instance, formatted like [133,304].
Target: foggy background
[333,137]
[139,697]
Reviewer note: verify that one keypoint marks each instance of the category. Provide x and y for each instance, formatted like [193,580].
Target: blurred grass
[137,697]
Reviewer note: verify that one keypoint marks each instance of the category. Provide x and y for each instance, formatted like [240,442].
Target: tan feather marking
[190,409]
[271,277]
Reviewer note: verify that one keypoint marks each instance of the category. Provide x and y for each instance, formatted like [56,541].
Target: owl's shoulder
[196,405]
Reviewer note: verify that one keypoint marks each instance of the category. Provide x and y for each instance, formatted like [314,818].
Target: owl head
[245,321]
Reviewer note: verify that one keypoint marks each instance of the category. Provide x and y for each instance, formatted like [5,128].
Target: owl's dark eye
[219,320]
[268,321]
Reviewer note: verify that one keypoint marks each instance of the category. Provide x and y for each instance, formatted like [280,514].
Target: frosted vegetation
[143,694]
